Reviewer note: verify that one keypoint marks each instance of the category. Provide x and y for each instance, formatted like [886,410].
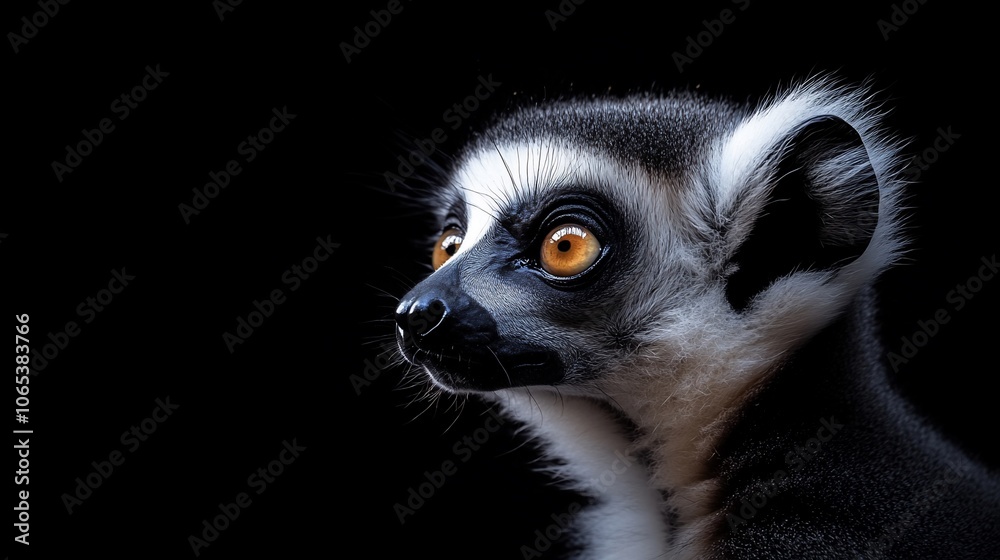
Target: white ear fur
[740,158]
[742,167]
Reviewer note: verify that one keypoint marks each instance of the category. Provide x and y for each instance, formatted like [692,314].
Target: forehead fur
[663,133]
[636,151]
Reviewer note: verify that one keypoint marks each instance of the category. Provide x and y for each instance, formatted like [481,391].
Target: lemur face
[580,242]
[526,285]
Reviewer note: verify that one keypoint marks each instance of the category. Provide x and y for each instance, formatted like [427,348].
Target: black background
[365,446]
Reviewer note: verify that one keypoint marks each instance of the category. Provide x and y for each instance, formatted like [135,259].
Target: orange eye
[446,245]
[569,250]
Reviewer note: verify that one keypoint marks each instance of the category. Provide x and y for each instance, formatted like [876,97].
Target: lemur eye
[569,250]
[446,245]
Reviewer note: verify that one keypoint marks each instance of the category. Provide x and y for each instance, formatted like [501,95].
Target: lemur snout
[438,315]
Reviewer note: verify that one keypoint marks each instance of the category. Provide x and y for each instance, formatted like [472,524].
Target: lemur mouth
[482,367]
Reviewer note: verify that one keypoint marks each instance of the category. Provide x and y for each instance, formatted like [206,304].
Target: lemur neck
[684,416]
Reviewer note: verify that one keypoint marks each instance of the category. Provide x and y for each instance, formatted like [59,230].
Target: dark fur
[884,486]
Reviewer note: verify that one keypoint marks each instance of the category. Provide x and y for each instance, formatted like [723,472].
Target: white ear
[807,183]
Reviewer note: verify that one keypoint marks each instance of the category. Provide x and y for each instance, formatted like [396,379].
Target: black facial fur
[445,330]
[446,324]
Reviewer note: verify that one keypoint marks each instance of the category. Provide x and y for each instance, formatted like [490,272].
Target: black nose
[440,317]
[421,319]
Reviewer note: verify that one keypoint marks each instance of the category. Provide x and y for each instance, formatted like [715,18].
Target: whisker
[513,182]
[509,381]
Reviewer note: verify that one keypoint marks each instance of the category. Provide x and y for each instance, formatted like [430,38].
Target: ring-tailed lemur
[689,282]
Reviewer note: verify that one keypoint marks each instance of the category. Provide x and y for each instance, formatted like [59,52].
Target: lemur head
[588,243]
